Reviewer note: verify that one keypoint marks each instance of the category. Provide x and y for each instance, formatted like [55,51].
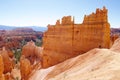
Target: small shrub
[17,55]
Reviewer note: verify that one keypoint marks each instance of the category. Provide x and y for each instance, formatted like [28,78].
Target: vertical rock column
[25,68]
[1,68]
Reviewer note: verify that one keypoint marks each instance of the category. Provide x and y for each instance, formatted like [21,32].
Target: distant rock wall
[11,39]
[67,39]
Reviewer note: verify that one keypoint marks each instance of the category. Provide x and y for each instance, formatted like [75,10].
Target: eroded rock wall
[67,39]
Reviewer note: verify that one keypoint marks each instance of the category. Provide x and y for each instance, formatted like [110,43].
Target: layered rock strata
[67,39]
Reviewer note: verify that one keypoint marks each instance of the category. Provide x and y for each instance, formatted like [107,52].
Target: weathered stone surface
[30,60]
[1,68]
[28,49]
[25,68]
[32,52]
[66,40]
[8,63]
[2,77]
[116,46]
[8,76]
[99,17]
[1,65]
[10,53]
[96,64]
[15,73]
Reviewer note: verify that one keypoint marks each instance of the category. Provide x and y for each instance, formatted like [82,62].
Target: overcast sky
[44,12]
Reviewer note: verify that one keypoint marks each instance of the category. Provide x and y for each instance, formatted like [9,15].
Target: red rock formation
[1,66]
[32,52]
[12,38]
[66,40]
[25,68]
[8,63]
[28,49]
[10,53]
[8,76]
[2,77]
[16,74]
[31,56]
[12,44]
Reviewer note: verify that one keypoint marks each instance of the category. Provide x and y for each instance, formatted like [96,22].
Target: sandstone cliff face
[67,39]
[96,64]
